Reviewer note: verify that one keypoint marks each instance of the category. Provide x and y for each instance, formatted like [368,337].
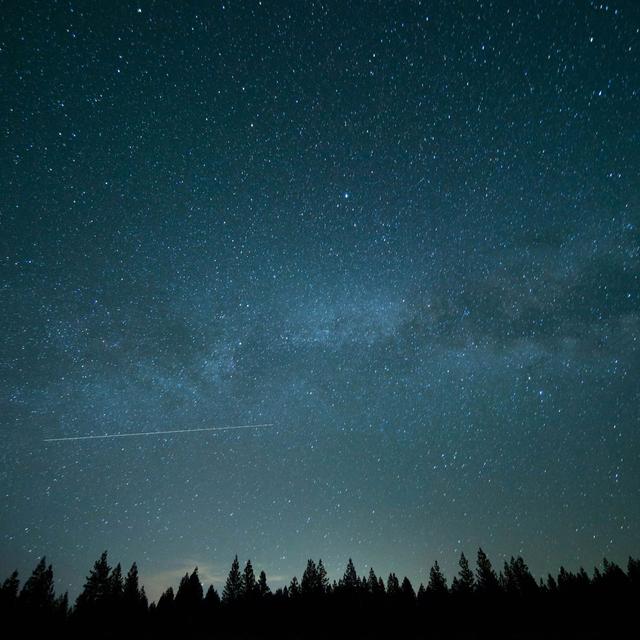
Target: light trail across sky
[157,433]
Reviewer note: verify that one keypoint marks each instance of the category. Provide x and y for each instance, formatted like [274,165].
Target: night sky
[405,233]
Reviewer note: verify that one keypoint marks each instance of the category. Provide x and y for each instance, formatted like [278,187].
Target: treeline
[485,603]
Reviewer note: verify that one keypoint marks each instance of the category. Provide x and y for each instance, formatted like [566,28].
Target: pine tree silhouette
[349,582]
[566,580]
[263,587]
[166,605]
[518,579]
[437,585]
[233,588]
[486,578]
[9,601]
[407,591]
[97,588]
[309,582]
[582,580]
[9,590]
[249,585]
[188,598]
[464,583]
[133,596]
[323,580]
[294,588]
[116,584]
[393,585]
[211,600]
[613,577]
[373,584]
[37,595]
[195,587]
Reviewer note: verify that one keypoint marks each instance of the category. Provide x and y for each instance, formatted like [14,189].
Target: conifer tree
[393,585]
[464,583]
[407,591]
[349,581]
[116,584]
[309,583]
[437,585]
[9,597]
[294,588]
[263,587]
[614,579]
[130,590]
[189,595]
[97,587]
[195,587]
[183,589]
[566,580]
[487,579]
[166,604]
[583,581]
[37,595]
[373,586]
[233,588]
[9,591]
[144,601]
[134,598]
[249,585]
[518,578]
[9,600]
[211,599]
[323,580]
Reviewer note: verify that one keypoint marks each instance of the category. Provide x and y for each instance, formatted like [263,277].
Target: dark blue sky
[406,233]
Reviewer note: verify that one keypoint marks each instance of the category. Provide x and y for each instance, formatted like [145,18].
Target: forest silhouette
[480,603]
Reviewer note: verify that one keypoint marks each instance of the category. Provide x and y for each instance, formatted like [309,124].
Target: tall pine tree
[189,595]
[211,600]
[393,585]
[9,590]
[97,588]
[249,585]
[486,578]
[263,587]
[349,582]
[116,585]
[309,582]
[407,591]
[233,588]
[294,588]
[37,595]
[437,585]
[323,580]
[133,596]
[464,583]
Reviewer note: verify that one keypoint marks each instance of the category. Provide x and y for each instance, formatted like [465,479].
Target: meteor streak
[157,433]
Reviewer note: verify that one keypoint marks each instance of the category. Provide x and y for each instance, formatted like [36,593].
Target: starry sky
[405,233]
